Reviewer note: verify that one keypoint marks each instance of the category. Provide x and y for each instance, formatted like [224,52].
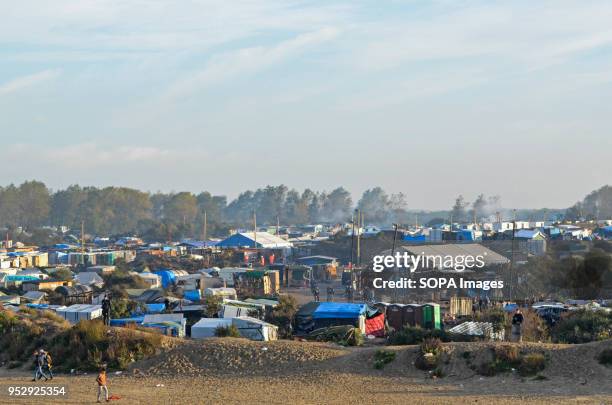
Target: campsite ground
[239,371]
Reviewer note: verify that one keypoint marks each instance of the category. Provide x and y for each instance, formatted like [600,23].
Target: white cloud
[248,60]
[27,81]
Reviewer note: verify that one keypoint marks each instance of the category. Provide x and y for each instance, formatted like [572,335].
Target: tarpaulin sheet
[339,310]
[375,326]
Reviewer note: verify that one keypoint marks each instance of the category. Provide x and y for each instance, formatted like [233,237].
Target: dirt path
[232,371]
[319,388]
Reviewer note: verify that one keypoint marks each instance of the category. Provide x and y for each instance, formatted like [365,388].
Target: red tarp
[375,326]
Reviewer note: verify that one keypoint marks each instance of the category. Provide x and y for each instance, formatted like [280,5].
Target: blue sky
[429,98]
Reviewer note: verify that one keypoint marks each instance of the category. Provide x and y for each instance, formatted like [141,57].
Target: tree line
[121,210]
[157,216]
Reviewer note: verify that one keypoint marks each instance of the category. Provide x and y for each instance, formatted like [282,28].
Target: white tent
[206,327]
[255,329]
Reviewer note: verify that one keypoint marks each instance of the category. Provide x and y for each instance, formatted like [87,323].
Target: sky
[432,99]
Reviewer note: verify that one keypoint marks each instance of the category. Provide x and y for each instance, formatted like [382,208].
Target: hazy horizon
[429,99]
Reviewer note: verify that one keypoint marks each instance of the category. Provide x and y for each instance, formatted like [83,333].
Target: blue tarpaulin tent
[167,277]
[192,295]
[336,310]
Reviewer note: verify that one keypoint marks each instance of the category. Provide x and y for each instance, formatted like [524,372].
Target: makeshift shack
[460,306]
[80,312]
[169,324]
[303,320]
[340,313]
[225,293]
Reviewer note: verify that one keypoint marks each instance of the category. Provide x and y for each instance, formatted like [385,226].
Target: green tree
[34,204]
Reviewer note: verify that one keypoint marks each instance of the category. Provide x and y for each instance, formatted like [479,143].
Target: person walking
[48,365]
[39,364]
[102,384]
[330,294]
[517,322]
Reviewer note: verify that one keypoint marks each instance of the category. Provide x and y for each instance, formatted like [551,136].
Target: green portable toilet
[431,316]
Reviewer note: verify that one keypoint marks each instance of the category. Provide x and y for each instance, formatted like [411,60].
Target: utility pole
[352,238]
[358,237]
[277,225]
[255,229]
[205,227]
[82,242]
[393,254]
[512,286]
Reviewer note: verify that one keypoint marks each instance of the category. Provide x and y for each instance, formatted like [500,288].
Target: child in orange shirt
[101,380]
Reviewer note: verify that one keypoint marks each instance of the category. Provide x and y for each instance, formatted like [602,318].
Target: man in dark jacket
[517,322]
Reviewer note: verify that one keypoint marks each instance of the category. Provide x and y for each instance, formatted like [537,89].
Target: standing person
[106,309]
[48,364]
[102,387]
[517,322]
[480,302]
[330,294]
[317,294]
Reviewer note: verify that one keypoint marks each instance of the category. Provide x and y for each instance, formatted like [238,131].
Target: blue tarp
[11,278]
[414,238]
[167,277]
[125,321]
[155,308]
[329,310]
[238,240]
[192,295]
[38,306]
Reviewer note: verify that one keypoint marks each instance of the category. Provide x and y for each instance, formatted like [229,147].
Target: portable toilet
[395,316]
[413,314]
[431,316]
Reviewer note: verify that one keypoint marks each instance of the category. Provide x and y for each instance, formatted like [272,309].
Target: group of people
[316,293]
[480,304]
[43,368]
[43,365]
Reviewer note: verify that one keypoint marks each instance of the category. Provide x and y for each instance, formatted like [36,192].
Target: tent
[255,329]
[167,276]
[375,322]
[304,322]
[339,313]
[206,327]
